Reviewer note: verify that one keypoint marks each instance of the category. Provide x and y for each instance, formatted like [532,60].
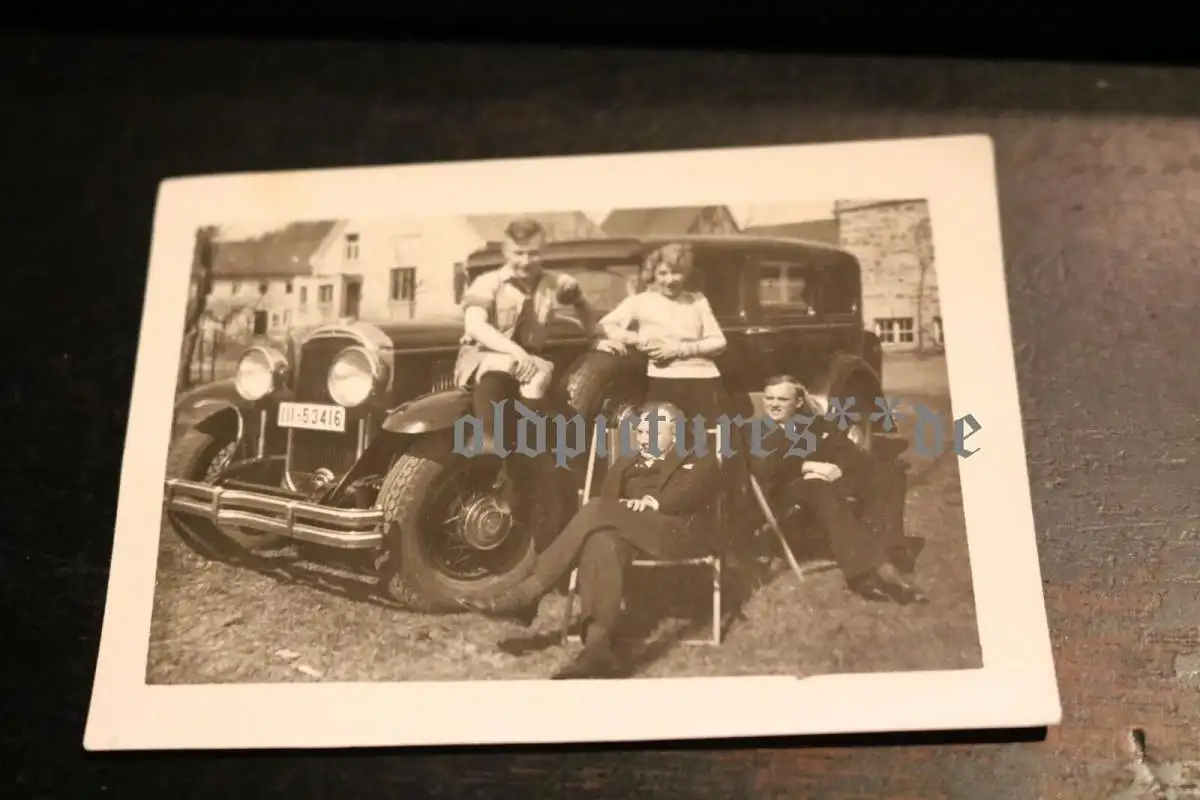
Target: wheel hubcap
[485,523]
[219,462]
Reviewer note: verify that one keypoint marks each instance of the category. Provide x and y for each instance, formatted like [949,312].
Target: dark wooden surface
[1100,189]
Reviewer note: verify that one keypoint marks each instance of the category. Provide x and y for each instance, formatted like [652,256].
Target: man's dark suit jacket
[833,446]
[685,489]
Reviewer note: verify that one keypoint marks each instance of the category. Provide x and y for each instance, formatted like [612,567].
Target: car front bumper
[345,528]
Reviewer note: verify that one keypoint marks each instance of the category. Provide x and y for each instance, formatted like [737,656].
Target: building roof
[282,253]
[842,206]
[660,221]
[559,225]
[816,230]
[622,249]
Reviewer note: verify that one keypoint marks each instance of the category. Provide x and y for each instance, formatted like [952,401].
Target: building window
[259,321]
[325,294]
[939,336]
[235,287]
[895,330]
[303,296]
[287,317]
[264,287]
[351,247]
[287,288]
[403,284]
[274,320]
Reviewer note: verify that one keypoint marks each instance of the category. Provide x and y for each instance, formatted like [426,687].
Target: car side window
[788,287]
[841,285]
[720,282]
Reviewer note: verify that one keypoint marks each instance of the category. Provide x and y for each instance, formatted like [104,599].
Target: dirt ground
[214,623]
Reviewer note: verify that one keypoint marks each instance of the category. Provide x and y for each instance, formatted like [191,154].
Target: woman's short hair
[679,256]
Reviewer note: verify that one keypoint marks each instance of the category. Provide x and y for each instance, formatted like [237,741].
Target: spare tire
[596,377]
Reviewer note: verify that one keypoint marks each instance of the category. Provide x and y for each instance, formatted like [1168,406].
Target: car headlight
[354,376]
[260,371]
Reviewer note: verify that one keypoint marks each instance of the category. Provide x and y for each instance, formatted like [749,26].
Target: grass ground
[215,623]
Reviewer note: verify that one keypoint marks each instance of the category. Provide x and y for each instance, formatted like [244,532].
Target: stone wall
[892,240]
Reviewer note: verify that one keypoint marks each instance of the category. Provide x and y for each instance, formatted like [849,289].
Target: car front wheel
[202,455]
[447,535]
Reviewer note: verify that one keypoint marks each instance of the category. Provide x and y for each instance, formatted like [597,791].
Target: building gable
[676,221]
[321,252]
[816,230]
[559,225]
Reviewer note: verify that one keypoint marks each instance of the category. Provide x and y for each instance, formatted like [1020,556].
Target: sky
[248,230]
[774,214]
[781,213]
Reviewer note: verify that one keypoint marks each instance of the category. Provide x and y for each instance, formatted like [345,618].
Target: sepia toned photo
[594,439]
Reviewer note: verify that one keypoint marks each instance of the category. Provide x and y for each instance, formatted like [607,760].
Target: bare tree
[198,291]
[922,239]
[225,311]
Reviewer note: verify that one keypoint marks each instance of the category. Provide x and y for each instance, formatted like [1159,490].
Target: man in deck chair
[866,539]
[649,506]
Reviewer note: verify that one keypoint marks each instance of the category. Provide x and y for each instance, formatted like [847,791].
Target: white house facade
[399,269]
[255,281]
[251,305]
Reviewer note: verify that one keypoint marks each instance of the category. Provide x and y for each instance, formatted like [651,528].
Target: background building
[893,240]
[392,268]
[675,221]
[255,280]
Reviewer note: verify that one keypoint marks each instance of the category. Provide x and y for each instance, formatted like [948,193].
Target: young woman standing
[678,332]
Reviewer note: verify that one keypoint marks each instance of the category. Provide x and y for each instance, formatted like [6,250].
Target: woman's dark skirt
[699,398]
[695,397]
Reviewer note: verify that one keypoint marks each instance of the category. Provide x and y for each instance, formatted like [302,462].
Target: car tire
[193,456]
[410,573]
[596,377]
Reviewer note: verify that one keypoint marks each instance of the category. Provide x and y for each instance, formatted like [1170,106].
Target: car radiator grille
[309,451]
[441,374]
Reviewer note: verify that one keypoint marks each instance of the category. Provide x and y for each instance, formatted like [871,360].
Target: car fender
[210,395]
[433,412]
[873,352]
[844,370]
[212,404]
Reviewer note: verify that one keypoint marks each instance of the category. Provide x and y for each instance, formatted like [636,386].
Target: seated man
[649,505]
[505,316]
[866,540]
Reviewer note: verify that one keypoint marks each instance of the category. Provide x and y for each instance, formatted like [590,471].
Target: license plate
[312,416]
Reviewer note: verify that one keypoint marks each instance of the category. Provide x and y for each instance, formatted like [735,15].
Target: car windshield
[607,286]
[604,286]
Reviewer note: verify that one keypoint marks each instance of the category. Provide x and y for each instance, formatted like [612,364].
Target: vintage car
[343,440]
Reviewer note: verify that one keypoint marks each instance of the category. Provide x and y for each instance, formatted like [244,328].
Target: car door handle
[758,331]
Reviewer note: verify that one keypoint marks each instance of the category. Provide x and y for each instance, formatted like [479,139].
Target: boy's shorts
[484,362]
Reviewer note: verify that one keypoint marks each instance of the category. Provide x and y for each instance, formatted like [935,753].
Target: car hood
[439,331]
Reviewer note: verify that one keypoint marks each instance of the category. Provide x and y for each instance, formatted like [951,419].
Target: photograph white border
[1016,687]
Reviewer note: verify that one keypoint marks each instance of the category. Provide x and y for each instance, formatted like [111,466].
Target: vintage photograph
[575,441]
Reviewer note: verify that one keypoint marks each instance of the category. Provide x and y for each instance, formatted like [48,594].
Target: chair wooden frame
[772,522]
[714,562]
